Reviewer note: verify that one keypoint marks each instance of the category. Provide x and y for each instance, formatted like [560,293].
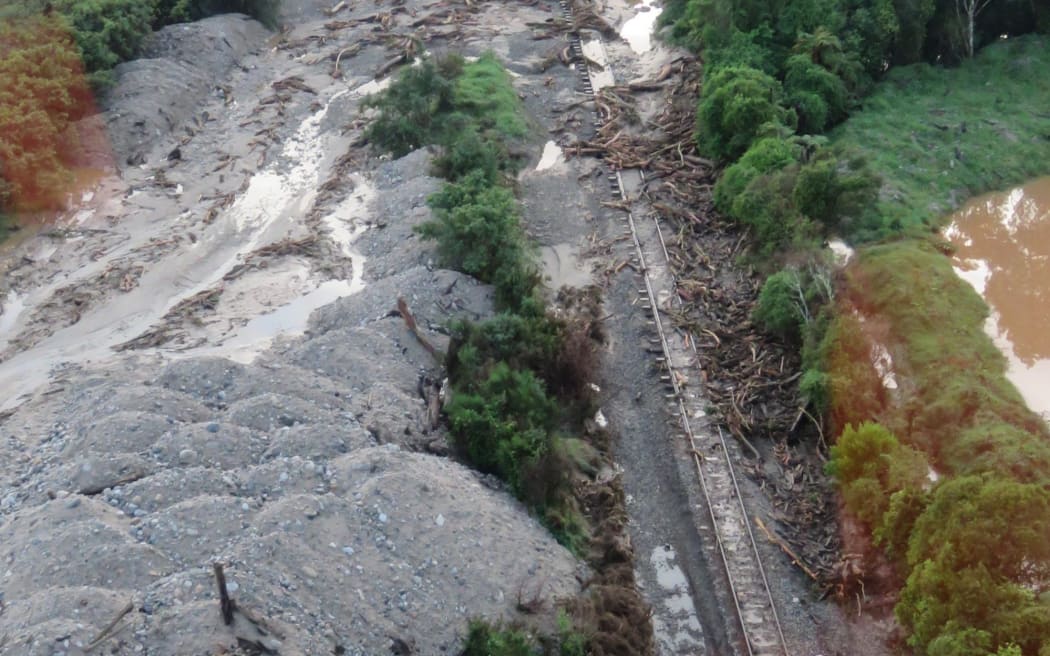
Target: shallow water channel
[1003,251]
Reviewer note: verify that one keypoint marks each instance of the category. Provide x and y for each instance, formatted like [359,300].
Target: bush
[477,228]
[42,92]
[764,156]
[468,152]
[523,342]
[107,32]
[408,109]
[778,309]
[484,639]
[980,538]
[818,95]
[504,426]
[870,466]
[573,643]
[766,207]
[836,192]
[739,104]
[180,11]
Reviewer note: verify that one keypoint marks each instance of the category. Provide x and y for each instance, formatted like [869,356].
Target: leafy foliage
[778,308]
[107,32]
[836,191]
[42,91]
[981,537]
[764,156]
[477,227]
[411,109]
[180,11]
[484,639]
[739,105]
[818,96]
[469,109]
[505,426]
[871,465]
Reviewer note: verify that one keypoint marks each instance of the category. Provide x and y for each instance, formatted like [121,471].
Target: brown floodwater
[1003,250]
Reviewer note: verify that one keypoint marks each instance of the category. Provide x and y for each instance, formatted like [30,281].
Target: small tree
[966,12]
[738,104]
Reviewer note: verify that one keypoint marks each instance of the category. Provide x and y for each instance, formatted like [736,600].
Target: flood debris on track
[749,377]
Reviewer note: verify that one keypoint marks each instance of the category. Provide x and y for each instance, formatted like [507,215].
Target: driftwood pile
[750,377]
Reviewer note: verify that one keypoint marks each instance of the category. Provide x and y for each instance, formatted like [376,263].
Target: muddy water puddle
[687,635]
[638,30]
[561,267]
[552,156]
[1003,251]
[345,224]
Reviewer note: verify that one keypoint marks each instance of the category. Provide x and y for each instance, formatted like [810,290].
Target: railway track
[752,608]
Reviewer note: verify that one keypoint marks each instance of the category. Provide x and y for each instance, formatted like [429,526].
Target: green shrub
[465,151]
[524,342]
[836,192]
[895,528]
[107,32]
[980,538]
[573,643]
[484,639]
[764,156]
[409,108]
[766,207]
[751,49]
[504,426]
[870,466]
[42,92]
[738,105]
[818,95]
[179,11]
[477,228]
[778,309]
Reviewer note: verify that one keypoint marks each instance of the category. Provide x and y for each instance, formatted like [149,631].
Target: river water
[1003,251]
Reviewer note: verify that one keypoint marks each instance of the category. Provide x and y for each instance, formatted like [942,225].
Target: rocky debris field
[310,466]
[304,472]
[300,472]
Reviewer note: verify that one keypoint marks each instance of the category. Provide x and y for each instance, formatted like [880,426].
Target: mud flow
[1003,251]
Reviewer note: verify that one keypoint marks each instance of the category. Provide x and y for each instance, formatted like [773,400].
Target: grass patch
[972,546]
[485,93]
[939,136]
[964,413]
